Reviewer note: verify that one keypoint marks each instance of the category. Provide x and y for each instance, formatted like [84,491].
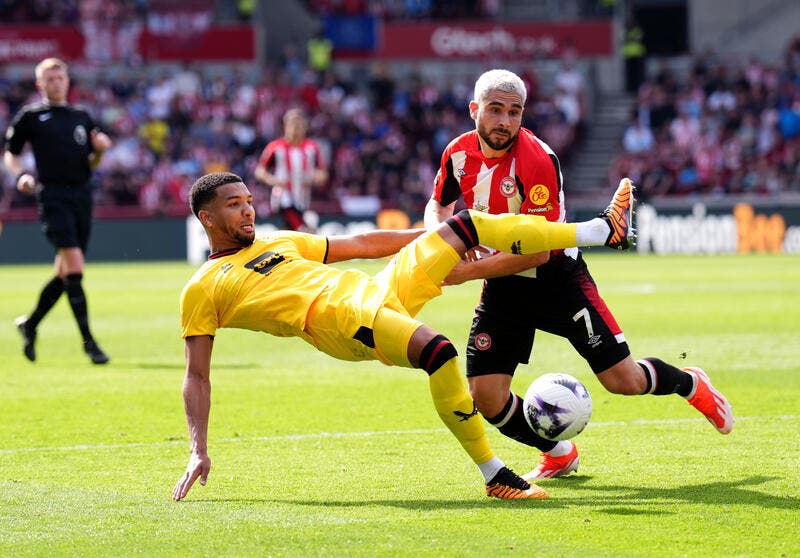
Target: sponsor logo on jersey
[516,247]
[265,263]
[539,194]
[461,172]
[45,116]
[508,187]
[226,267]
[543,209]
[79,134]
[483,341]
[480,206]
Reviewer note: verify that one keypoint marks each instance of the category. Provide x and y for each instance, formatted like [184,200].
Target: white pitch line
[322,435]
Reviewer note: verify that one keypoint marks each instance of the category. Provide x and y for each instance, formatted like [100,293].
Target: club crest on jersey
[79,134]
[539,194]
[483,341]
[508,187]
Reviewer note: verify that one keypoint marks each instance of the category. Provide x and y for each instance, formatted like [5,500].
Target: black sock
[50,294]
[77,299]
[511,422]
[665,379]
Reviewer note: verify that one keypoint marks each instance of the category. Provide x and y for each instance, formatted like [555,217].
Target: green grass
[315,457]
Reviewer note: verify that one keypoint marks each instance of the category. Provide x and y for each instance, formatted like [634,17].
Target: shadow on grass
[610,499]
[623,499]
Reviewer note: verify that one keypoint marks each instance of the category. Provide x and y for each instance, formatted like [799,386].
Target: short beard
[245,240]
[497,146]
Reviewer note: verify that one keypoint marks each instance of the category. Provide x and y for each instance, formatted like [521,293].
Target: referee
[67,145]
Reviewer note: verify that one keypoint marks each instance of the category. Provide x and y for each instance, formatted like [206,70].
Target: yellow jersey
[281,285]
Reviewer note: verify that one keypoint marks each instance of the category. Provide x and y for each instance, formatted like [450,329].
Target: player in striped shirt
[501,167]
[292,166]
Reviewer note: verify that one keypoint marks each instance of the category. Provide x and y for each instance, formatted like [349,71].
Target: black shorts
[562,300]
[66,216]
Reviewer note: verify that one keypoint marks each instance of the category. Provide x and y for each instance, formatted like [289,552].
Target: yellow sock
[522,234]
[458,412]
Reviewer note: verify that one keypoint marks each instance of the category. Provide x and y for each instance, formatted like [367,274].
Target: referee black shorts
[562,300]
[66,216]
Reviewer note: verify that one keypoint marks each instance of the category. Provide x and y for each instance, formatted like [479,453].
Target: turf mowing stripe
[320,435]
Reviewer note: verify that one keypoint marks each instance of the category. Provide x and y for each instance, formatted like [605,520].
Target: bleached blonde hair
[49,64]
[504,80]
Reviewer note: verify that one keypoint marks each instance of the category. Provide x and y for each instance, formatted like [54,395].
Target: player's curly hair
[504,80]
[205,188]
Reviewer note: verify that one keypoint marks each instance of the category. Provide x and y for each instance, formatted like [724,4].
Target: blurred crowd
[407,9]
[718,128]
[69,12]
[380,135]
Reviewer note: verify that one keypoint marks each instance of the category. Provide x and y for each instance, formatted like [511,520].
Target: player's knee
[489,400]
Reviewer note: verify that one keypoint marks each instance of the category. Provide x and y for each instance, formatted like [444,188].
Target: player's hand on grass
[198,467]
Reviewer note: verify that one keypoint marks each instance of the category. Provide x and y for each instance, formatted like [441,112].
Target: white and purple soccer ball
[557,406]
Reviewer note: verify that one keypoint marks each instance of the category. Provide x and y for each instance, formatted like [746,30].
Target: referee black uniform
[59,137]
[61,141]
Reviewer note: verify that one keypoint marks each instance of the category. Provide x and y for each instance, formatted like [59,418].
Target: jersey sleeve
[542,181]
[198,314]
[91,126]
[446,188]
[17,133]
[319,160]
[267,155]
[312,247]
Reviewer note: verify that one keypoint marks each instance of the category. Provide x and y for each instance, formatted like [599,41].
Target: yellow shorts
[412,278]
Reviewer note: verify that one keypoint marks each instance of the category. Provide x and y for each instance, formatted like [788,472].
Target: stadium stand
[719,128]
[381,136]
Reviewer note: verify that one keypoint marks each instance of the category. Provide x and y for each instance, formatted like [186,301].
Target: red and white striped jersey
[295,164]
[526,180]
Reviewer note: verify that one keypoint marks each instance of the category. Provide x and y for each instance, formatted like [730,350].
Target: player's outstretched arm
[370,244]
[197,404]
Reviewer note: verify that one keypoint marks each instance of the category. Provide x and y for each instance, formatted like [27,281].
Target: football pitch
[317,457]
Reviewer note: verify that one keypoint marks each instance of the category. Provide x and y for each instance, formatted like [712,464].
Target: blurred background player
[67,145]
[501,167]
[292,166]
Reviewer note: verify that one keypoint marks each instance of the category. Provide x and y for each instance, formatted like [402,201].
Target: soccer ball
[557,406]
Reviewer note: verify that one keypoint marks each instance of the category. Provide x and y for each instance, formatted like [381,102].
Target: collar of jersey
[222,253]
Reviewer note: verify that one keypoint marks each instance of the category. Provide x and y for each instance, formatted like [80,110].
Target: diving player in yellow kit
[281,285]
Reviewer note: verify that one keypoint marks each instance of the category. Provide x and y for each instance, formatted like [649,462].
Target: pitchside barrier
[673,227]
